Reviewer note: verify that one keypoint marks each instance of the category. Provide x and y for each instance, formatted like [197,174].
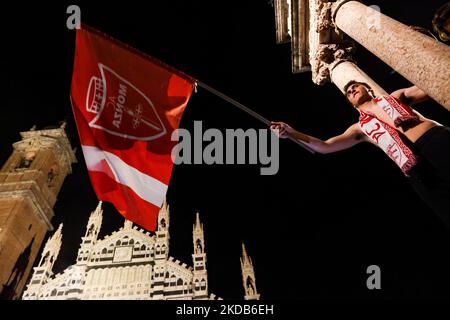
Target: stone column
[333,62]
[344,71]
[419,58]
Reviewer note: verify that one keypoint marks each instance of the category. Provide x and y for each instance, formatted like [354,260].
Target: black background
[312,229]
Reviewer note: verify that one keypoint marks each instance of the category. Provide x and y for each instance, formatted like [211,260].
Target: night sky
[312,229]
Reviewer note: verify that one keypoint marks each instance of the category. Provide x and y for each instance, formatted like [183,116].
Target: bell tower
[30,181]
[200,279]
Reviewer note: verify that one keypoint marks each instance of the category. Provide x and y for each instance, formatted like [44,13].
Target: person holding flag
[419,146]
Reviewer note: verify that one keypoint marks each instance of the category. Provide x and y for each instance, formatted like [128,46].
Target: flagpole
[190,79]
[248,111]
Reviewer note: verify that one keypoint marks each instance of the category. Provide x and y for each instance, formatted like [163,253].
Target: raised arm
[410,96]
[353,135]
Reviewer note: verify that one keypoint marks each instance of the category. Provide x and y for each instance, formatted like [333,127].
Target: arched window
[179,282]
[46,257]
[131,242]
[91,229]
[104,251]
[198,246]
[203,284]
[51,175]
[26,160]
[250,286]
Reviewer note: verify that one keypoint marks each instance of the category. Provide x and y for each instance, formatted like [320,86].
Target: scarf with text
[385,136]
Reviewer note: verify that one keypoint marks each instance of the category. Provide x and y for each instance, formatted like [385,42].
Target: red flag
[126,106]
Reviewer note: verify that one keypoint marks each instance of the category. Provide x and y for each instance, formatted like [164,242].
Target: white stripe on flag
[145,186]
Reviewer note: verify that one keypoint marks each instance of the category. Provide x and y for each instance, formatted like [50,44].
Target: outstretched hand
[284,129]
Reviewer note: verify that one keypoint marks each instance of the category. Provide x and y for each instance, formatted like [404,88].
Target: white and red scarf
[387,137]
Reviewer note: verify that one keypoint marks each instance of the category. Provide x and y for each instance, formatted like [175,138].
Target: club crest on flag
[121,109]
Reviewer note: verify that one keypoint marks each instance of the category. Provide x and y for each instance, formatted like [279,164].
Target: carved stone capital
[323,13]
[327,57]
